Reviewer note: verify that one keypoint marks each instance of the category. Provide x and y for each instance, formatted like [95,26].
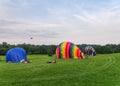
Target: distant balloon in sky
[31,38]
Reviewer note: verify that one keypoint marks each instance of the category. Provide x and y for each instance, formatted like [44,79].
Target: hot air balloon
[68,50]
[90,51]
[16,55]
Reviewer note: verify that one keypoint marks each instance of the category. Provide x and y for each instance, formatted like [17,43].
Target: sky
[55,21]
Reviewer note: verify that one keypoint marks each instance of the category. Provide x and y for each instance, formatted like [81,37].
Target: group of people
[25,60]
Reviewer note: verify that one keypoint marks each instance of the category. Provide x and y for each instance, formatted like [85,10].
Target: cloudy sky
[54,21]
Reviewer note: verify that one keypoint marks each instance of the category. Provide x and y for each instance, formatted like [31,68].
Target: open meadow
[100,70]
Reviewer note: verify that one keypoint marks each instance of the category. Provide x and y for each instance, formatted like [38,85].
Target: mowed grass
[101,70]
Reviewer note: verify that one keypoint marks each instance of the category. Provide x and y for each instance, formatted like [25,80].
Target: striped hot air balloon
[68,50]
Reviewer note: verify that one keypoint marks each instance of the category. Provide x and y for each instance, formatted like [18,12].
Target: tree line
[50,49]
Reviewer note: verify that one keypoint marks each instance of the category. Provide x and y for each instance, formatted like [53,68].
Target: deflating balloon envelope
[68,50]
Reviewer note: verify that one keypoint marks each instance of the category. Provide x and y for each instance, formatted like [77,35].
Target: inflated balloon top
[68,50]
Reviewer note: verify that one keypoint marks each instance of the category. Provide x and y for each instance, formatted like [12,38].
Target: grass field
[101,70]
